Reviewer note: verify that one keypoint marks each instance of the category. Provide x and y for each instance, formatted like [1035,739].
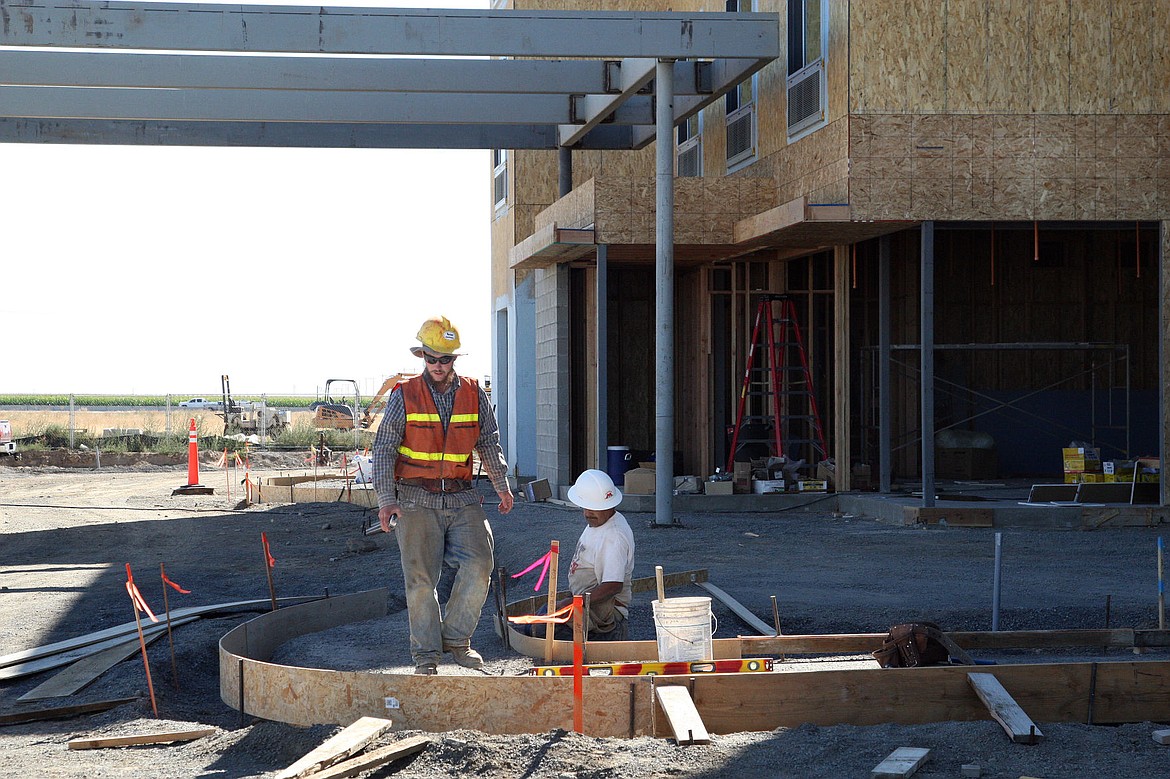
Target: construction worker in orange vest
[423,475]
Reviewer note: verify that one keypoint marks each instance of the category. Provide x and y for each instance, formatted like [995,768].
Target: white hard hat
[594,490]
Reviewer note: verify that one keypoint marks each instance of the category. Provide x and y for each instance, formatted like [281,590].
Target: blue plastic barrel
[617,463]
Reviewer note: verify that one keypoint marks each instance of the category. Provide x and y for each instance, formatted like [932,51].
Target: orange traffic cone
[193,487]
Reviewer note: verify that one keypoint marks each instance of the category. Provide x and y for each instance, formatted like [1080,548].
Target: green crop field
[135,401]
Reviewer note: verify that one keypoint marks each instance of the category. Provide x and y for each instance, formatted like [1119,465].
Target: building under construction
[967,197]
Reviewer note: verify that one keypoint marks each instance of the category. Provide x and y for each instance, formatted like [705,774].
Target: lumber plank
[361,763]
[900,763]
[20,670]
[34,653]
[89,668]
[738,609]
[167,737]
[338,747]
[1004,709]
[61,712]
[681,714]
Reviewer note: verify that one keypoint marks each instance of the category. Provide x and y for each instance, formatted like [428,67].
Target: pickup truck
[204,403]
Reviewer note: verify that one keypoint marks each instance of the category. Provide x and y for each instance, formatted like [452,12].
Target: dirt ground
[67,534]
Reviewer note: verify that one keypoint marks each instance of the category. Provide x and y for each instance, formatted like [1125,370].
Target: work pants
[428,538]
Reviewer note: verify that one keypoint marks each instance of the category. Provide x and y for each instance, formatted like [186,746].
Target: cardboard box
[767,486]
[718,487]
[827,472]
[640,481]
[687,485]
[1081,459]
[741,478]
[812,485]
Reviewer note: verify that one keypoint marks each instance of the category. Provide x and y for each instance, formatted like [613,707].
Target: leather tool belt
[439,485]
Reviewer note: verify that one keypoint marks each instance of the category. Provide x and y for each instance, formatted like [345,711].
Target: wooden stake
[162,569]
[550,628]
[578,664]
[661,586]
[1161,589]
[145,661]
[227,476]
[268,570]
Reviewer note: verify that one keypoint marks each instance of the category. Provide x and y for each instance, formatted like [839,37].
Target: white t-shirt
[605,554]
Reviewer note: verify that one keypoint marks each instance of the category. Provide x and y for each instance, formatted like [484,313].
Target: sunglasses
[441,360]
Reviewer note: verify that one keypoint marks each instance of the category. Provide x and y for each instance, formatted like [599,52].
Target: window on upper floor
[689,150]
[499,177]
[807,87]
[741,108]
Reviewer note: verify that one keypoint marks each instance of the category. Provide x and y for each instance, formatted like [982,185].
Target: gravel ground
[67,535]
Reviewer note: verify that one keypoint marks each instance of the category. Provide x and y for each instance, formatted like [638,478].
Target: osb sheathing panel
[573,211]
[1009,56]
[503,238]
[705,210]
[1009,167]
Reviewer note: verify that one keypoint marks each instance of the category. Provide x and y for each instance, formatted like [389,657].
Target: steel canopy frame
[211,74]
[351,82]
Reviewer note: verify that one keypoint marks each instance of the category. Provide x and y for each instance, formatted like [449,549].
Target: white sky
[155,270]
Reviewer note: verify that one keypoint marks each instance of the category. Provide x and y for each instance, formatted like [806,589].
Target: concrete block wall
[552,376]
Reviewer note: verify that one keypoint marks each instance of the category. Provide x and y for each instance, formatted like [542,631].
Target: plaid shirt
[392,429]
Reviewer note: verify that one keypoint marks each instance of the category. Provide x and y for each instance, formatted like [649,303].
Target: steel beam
[634,74]
[299,106]
[301,134]
[341,30]
[46,67]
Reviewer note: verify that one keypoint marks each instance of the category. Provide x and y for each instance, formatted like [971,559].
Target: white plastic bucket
[684,628]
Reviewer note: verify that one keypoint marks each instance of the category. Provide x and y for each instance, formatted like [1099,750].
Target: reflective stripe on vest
[448,457]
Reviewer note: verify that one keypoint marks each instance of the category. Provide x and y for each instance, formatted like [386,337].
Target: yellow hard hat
[438,337]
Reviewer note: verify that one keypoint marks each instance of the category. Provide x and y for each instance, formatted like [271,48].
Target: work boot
[426,669]
[465,656]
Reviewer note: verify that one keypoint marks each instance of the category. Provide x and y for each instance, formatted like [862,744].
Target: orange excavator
[334,413]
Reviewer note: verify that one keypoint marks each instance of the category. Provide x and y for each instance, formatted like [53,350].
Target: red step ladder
[780,371]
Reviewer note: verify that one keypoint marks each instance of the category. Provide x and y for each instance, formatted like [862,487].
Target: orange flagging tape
[136,597]
[558,617]
[268,558]
[167,579]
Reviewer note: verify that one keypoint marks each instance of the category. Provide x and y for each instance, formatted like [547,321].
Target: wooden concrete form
[625,706]
[307,488]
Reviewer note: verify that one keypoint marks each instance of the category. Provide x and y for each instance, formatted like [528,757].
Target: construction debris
[348,742]
[901,763]
[1004,709]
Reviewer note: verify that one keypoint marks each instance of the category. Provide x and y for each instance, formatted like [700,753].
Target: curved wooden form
[624,706]
[614,707]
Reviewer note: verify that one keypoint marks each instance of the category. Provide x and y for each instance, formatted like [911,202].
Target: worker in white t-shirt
[603,564]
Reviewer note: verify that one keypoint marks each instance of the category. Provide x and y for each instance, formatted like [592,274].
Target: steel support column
[564,170]
[885,426]
[602,375]
[926,388]
[664,295]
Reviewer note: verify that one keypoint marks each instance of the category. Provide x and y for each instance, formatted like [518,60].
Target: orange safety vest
[426,452]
